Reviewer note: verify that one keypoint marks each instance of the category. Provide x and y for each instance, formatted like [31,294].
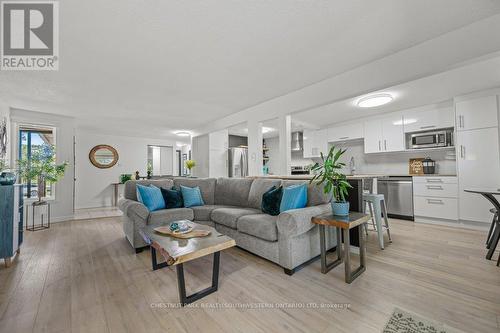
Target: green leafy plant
[328,174]
[41,167]
[190,164]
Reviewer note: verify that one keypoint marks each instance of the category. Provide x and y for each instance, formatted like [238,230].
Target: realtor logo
[29,35]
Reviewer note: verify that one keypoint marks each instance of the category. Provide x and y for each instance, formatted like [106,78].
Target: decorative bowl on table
[8,178]
[181,227]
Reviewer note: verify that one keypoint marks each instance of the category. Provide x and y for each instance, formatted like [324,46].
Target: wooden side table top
[344,222]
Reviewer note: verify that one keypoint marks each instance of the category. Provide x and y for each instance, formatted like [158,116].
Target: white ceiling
[167,65]
[433,89]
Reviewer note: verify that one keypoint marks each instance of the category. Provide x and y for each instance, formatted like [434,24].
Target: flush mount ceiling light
[182,134]
[374,100]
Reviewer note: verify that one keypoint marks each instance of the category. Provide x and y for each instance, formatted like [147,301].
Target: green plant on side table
[42,168]
[190,164]
[328,174]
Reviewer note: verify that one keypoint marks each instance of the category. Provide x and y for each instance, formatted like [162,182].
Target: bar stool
[377,205]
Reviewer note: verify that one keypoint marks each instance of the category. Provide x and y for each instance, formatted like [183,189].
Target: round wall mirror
[103,156]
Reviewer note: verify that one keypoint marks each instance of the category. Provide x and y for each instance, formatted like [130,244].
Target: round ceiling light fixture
[375,100]
[182,133]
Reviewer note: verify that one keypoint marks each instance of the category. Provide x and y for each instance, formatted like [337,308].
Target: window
[31,140]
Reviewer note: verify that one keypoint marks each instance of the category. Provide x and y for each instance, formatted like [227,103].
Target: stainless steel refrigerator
[238,162]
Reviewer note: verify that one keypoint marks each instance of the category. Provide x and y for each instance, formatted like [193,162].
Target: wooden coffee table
[177,251]
[343,223]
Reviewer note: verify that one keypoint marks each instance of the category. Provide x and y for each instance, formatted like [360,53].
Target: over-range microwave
[431,139]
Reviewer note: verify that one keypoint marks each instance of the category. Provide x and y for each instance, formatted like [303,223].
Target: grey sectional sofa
[232,207]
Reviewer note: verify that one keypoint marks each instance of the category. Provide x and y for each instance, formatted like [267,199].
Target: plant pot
[7,178]
[340,208]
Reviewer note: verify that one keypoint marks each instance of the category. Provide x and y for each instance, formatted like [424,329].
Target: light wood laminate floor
[83,276]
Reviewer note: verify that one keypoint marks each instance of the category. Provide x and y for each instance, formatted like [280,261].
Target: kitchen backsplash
[394,163]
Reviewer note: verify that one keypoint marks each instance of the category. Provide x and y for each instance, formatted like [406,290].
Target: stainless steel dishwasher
[398,193]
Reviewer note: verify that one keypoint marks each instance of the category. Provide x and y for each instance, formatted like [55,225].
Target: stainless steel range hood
[297,141]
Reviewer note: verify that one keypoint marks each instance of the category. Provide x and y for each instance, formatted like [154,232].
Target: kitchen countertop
[360,176]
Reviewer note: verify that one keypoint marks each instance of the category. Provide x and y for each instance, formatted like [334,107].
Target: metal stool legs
[386,222]
[377,206]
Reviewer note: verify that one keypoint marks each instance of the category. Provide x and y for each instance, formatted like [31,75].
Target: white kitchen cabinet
[432,207]
[345,132]
[415,121]
[435,197]
[315,142]
[384,134]
[477,113]
[393,135]
[478,166]
[373,136]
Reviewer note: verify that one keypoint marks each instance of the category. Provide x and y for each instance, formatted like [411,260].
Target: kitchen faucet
[352,165]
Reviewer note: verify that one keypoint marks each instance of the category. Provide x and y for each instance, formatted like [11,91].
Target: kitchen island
[355,197]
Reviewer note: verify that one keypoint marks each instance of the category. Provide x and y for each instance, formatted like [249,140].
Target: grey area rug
[407,322]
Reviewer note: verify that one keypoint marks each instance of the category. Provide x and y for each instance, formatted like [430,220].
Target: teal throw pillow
[151,197]
[271,201]
[191,196]
[294,197]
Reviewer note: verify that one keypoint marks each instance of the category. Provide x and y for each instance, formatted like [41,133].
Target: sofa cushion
[229,216]
[233,191]
[204,213]
[130,191]
[259,225]
[206,185]
[169,215]
[294,197]
[315,194]
[257,190]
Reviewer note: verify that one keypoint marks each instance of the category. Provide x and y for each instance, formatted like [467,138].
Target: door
[478,166]
[477,113]
[373,136]
[393,134]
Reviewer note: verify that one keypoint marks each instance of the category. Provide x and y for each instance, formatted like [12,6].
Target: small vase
[340,208]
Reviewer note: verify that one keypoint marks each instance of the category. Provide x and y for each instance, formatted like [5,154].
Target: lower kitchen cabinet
[435,197]
[434,207]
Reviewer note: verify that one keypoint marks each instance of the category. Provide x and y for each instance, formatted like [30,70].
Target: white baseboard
[453,223]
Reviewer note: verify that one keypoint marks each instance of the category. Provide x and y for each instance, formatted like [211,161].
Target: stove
[299,170]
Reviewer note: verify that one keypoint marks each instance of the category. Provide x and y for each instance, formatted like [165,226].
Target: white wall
[62,207]
[93,185]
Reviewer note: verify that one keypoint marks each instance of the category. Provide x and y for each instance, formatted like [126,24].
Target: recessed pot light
[374,100]
[182,134]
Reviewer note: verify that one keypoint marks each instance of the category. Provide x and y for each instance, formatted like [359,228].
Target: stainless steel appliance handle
[428,126]
[379,147]
[385,144]
[344,137]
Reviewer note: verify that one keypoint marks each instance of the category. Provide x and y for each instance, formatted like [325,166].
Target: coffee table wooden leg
[184,299]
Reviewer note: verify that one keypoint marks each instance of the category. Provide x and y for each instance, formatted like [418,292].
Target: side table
[343,224]
[37,204]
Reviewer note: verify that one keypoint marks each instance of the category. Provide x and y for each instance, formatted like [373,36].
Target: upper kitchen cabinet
[415,120]
[315,142]
[477,113]
[384,134]
[345,132]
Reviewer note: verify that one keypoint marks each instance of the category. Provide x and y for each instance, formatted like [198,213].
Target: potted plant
[42,168]
[190,164]
[328,174]
[149,170]
[6,177]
